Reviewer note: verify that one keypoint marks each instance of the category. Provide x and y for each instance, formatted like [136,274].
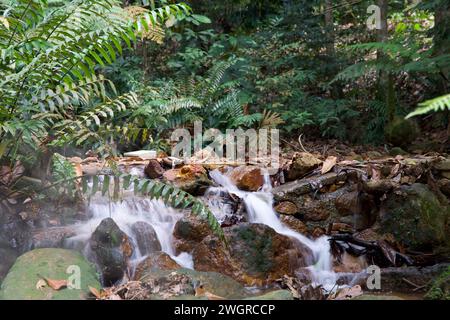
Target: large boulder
[55,264]
[401,132]
[190,178]
[146,238]
[190,231]
[256,254]
[416,218]
[112,250]
[247,178]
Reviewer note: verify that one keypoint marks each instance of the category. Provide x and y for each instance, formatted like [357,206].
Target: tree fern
[434,105]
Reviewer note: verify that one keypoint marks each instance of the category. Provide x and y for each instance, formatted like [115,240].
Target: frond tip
[434,105]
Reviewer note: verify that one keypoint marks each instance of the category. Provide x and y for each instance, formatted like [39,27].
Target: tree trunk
[329,27]
[386,87]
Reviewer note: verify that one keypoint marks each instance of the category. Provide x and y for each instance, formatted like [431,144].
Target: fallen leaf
[349,293]
[95,292]
[56,284]
[329,164]
[41,284]
[212,296]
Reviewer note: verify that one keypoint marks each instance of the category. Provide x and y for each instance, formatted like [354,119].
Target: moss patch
[20,283]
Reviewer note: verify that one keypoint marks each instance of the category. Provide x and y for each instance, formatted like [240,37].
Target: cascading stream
[259,207]
[129,211]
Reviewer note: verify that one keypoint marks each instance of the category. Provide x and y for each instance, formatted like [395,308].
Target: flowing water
[259,207]
[129,211]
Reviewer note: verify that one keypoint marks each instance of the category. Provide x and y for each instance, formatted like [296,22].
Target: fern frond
[270,119]
[153,189]
[434,105]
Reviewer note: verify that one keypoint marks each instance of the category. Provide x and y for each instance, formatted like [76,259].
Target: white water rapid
[259,207]
[129,211]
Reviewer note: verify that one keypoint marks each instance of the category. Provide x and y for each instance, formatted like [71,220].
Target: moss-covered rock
[274,295]
[440,288]
[416,218]
[20,283]
[401,132]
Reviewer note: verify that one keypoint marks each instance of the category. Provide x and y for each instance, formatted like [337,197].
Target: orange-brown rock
[256,254]
[295,224]
[302,163]
[190,178]
[248,178]
[287,208]
[158,261]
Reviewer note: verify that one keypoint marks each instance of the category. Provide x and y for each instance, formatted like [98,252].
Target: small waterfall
[125,213]
[259,207]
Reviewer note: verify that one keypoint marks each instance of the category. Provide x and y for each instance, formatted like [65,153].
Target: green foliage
[434,105]
[50,59]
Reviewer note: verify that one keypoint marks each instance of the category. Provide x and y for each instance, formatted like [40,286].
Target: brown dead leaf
[349,293]
[212,296]
[329,164]
[56,284]
[95,292]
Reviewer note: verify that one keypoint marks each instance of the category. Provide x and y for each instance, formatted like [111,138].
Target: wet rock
[189,231]
[191,178]
[444,186]
[402,132]
[302,163]
[154,170]
[248,178]
[256,254]
[146,238]
[318,232]
[295,224]
[51,237]
[112,249]
[341,228]
[348,203]
[20,283]
[159,261]
[286,208]
[7,258]
[317,212]
[416,218]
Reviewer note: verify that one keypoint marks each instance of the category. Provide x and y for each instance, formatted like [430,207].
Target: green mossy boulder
[416,218]
[20,283]
[274,295]
[401,132]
